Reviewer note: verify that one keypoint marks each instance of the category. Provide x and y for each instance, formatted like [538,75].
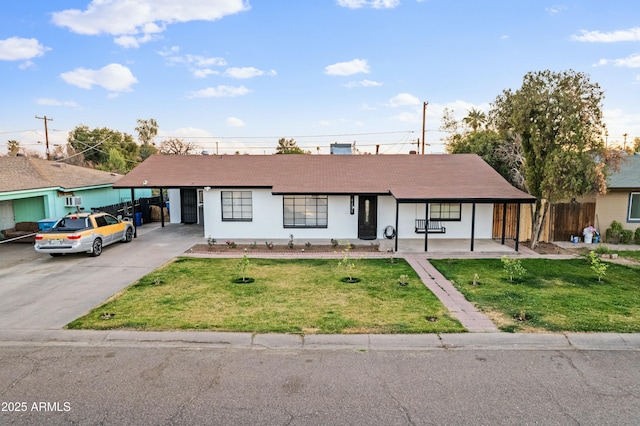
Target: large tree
[95,145]
[289,146]
[177,146]
[147,130]
[475,119]
[558,118]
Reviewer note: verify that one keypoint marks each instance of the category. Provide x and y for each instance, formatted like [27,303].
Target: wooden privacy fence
[563,221]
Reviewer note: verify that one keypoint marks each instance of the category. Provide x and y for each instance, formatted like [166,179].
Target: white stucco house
[366,197]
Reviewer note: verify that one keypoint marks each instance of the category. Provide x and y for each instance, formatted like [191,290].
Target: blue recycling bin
[138,219]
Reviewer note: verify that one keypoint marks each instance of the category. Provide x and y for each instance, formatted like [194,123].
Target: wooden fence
[563,221]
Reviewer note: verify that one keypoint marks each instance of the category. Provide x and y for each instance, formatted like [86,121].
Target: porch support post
[133,211]
[518,226]
[395,249]
[161,209]
[504,221]
[473,224]
[426,226]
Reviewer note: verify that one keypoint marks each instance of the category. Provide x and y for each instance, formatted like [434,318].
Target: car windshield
[71,224]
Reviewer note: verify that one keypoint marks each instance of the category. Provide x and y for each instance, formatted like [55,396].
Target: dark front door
[189,205]
[367,217]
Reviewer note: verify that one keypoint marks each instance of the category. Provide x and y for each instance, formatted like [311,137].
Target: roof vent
[205,152]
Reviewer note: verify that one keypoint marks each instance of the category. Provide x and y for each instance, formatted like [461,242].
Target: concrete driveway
[40,292]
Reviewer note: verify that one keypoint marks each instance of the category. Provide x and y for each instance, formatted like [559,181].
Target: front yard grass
[287,296]
[553,295]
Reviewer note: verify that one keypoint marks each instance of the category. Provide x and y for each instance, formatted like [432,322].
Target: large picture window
[634,207]
[445,211]
[305,211]
[237,205]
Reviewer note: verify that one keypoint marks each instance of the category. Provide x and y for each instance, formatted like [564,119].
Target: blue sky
[237,75]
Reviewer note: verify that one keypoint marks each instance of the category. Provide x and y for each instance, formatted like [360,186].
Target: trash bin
[138,219]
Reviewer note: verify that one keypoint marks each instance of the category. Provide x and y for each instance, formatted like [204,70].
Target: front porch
[452,247]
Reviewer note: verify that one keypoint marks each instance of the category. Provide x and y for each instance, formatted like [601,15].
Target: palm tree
[475,119]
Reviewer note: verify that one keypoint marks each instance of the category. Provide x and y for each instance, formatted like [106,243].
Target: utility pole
[46,133]
[424,117]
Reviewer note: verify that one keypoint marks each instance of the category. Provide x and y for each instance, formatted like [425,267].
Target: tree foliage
[475,119]
[95,145]
[500,151]
[177,147]
[13,148]
[289,146]
[147,130]
[558,118]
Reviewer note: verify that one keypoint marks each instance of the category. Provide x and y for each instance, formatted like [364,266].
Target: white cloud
[363,83]
[55,102]
[408,117]
[632,61]
[186,132]
[355,66]
[618,123]
[200,66]
[234,122]
[17,49]
[632,34]
[556,8]
[246,72]
[403,99]
[219,92]
[139,21]
[375,4]
[113,77]
[204,72]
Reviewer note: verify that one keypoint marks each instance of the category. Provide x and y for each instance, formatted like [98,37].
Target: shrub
[243,267]
[636,236]
[602,249]
[348,263]
[597,265]
[626,236]
[513,267]
[614,232]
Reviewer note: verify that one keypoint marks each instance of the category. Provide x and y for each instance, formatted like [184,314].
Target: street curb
[357,342]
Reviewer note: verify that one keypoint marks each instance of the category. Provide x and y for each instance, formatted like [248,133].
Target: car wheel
[128,235]
[96,248]
[55,254]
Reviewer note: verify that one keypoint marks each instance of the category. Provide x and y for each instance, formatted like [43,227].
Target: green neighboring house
[32,189]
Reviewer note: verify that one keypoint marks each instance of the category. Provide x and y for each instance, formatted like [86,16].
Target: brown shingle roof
[23,173]
[406,177]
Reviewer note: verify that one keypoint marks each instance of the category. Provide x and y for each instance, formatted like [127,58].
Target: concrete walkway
[472,319]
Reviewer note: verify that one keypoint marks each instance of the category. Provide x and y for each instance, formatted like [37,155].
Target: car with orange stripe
[83,233]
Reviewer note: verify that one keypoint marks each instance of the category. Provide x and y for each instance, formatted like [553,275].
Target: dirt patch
[297,248]
[550,248]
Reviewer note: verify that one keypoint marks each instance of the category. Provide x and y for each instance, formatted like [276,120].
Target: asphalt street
[196,385]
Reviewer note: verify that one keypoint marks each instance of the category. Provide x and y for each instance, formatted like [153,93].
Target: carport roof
[406,177]
[25,173]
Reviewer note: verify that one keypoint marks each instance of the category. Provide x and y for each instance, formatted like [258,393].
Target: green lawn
[631,254]
[288,296]
[553,295]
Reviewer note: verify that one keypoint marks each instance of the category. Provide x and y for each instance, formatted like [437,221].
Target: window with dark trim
[237,206]
[445,211]
[305,211]
[634,207]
